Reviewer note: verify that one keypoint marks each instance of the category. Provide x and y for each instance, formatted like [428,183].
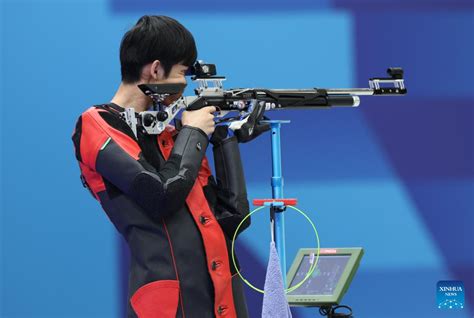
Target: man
[158,190]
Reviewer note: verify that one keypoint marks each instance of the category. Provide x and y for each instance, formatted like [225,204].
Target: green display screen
[330,279]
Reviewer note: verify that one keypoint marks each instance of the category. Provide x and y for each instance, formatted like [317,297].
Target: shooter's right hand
[202,118]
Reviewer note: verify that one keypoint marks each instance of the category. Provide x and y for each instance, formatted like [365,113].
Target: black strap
[111,107]
[86,185]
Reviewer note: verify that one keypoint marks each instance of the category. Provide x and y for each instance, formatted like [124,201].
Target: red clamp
[260,202]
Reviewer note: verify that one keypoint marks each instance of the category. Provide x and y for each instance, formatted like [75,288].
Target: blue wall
[394,176]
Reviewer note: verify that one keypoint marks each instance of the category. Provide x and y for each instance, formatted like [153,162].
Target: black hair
[155,38]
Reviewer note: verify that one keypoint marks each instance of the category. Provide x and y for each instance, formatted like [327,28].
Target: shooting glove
[250,127]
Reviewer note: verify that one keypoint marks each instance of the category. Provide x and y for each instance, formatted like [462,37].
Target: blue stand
[278,218]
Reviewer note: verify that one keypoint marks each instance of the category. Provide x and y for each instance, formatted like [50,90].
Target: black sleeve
[157,192]
[231,205]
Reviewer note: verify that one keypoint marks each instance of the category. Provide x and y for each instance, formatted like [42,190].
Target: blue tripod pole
[277,216]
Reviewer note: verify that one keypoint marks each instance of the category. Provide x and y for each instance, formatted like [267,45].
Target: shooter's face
[176,75]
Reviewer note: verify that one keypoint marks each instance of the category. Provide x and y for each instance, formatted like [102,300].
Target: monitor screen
[325,277]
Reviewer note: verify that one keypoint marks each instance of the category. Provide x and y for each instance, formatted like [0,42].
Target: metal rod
[349,91]
[277,193]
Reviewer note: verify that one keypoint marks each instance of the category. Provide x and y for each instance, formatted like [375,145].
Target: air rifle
[240,101]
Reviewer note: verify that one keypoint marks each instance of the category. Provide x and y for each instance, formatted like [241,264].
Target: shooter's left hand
[250,127]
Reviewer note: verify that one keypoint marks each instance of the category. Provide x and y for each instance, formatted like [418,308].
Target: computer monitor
[330,279]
